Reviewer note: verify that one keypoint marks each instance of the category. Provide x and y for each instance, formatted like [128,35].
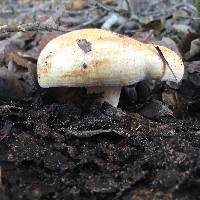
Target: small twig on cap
[164,62]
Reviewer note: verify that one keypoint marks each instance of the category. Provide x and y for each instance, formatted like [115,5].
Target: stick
[165,62]
[50,24]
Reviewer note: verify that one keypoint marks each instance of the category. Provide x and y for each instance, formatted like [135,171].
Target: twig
[165,62]
[103,6]
[91,133]
[36,26]
[48,25]
[128,5]
[51,24]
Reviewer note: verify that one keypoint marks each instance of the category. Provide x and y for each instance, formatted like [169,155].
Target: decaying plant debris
[76,148]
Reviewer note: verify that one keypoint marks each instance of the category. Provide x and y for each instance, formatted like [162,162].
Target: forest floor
[77,148]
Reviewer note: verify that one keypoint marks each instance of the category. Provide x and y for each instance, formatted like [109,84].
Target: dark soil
[49,151]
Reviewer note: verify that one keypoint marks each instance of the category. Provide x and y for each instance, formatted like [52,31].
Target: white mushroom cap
[95,57]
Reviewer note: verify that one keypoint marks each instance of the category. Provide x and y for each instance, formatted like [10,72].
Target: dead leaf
[195,47]
[182,28]
[146,125]
[10,85]
[185,44]
[193,69]
[107,1]
[46,38]
[27,36]
[170,99]
[155,109]
[31,55]
[12,44]
[180,14]
[194,52]
[79,4]
[18,59]
[148,194]
[156,25]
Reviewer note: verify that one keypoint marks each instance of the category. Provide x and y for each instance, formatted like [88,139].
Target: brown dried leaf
[107,1]
[146,125]
[79,4]
[185,45]
[31,54]
[149,194]
[27,35]
[156,25]
[170,99]
[18,59]
[5,48]
[12,44]
[46,38]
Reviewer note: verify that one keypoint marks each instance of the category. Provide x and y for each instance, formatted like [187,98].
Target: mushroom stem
[111,94]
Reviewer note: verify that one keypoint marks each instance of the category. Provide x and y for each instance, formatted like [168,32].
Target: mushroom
[103,61]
